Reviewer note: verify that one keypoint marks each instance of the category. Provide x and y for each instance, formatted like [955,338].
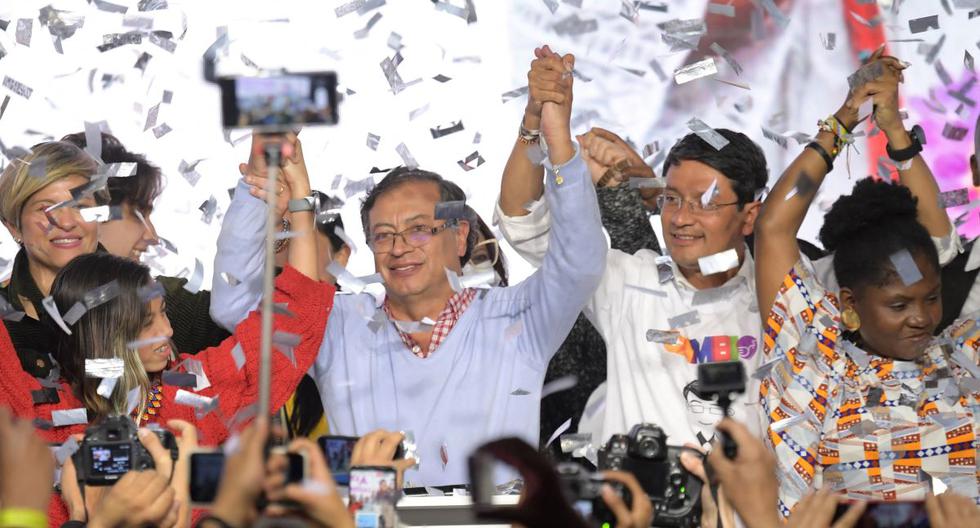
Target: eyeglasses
[415,236]
[671,203]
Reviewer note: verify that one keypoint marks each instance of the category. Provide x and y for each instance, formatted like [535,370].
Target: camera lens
[648,447]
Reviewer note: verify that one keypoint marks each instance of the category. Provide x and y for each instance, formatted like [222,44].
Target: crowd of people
[863,367]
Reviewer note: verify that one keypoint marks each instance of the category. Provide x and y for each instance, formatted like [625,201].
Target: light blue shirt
[483,382]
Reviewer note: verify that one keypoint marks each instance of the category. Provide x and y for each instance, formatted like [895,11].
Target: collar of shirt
[455,306]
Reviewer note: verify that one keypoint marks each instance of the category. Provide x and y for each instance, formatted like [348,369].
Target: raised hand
[377,448]
[883,91]
[545,83]
[556,116]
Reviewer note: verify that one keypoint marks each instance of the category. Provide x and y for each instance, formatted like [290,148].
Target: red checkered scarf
[454,309]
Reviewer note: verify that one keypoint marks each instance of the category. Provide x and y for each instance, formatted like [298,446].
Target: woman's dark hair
[448,192]
[139,190]
[104,331]
[741,161]
[863,230]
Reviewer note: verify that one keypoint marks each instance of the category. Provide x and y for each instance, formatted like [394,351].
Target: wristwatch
[917,136]
[307,203]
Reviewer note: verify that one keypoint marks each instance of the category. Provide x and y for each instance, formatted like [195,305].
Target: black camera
[675,492]
[721,382]
[583,488]
[112,448]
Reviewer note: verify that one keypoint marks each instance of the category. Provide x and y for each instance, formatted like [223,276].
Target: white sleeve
[527,234]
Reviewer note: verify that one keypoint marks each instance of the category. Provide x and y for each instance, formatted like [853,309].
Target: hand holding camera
[383,448]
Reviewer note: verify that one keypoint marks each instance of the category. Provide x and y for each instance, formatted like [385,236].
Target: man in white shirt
[661,317]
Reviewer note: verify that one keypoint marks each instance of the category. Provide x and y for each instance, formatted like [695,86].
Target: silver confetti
[573,25]
[66,450]
[17,87]
[684,319]
[196,279]
[466,164]
[722,9]
[736,67]
[708,134]
[921,25]
[64,417]
[439,132]
[561,384]
[781,19]
[558,432]
[406,156]
[105,367]
[348,8]
[697,70]
[954,132]
[829,41]
[647,183]
[552,5]
[24,28]
[151,291]
[238,355]
[373,140]
[149,341]
[719,262]
[663,336]
[102,213]
[515,93]
[52,309]
[363,33]
[451,210]
[119,170]
[162,130]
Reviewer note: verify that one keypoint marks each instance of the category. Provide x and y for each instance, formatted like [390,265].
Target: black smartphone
[279,103]
[207,468]
[373,495]
[880,514]
[338,450]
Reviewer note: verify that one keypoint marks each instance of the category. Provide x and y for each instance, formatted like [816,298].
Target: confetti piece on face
[102,213]
[710,193]
[719,262]
[149,341]
[905,266]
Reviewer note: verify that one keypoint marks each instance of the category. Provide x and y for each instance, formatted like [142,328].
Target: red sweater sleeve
[310,302]
[15,384]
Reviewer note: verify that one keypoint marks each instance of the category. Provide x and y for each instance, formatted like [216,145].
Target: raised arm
[523,179]
[776,249]
[239,261]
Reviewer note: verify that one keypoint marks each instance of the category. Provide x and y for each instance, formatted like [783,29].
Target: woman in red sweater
[124,318]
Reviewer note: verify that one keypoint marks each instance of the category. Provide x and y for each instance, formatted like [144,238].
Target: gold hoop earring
[851,319]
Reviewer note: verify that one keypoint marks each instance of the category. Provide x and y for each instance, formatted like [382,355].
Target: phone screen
[907,514]
[206,471]
[373,494]
[337,450]
[279,102]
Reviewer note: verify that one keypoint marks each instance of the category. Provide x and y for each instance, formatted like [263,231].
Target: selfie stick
[272,154]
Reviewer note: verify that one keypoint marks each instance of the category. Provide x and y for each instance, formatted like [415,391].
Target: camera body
[112,448]
[584,490]
[675,492]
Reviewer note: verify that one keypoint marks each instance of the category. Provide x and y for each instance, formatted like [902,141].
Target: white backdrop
[790,74]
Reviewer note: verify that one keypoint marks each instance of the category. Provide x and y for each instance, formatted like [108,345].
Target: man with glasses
[456,365]
[661,315]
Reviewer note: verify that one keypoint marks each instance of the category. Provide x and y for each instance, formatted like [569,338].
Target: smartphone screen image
[880,514]
[373,494]
[206,471]
[279,102]
[338,450]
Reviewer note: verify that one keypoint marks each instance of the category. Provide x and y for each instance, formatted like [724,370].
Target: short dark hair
[866,228]
[448,192]
[139,190]
[741,161]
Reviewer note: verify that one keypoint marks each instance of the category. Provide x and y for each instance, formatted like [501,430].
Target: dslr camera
[675,492]
[111,449]
[583,488]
